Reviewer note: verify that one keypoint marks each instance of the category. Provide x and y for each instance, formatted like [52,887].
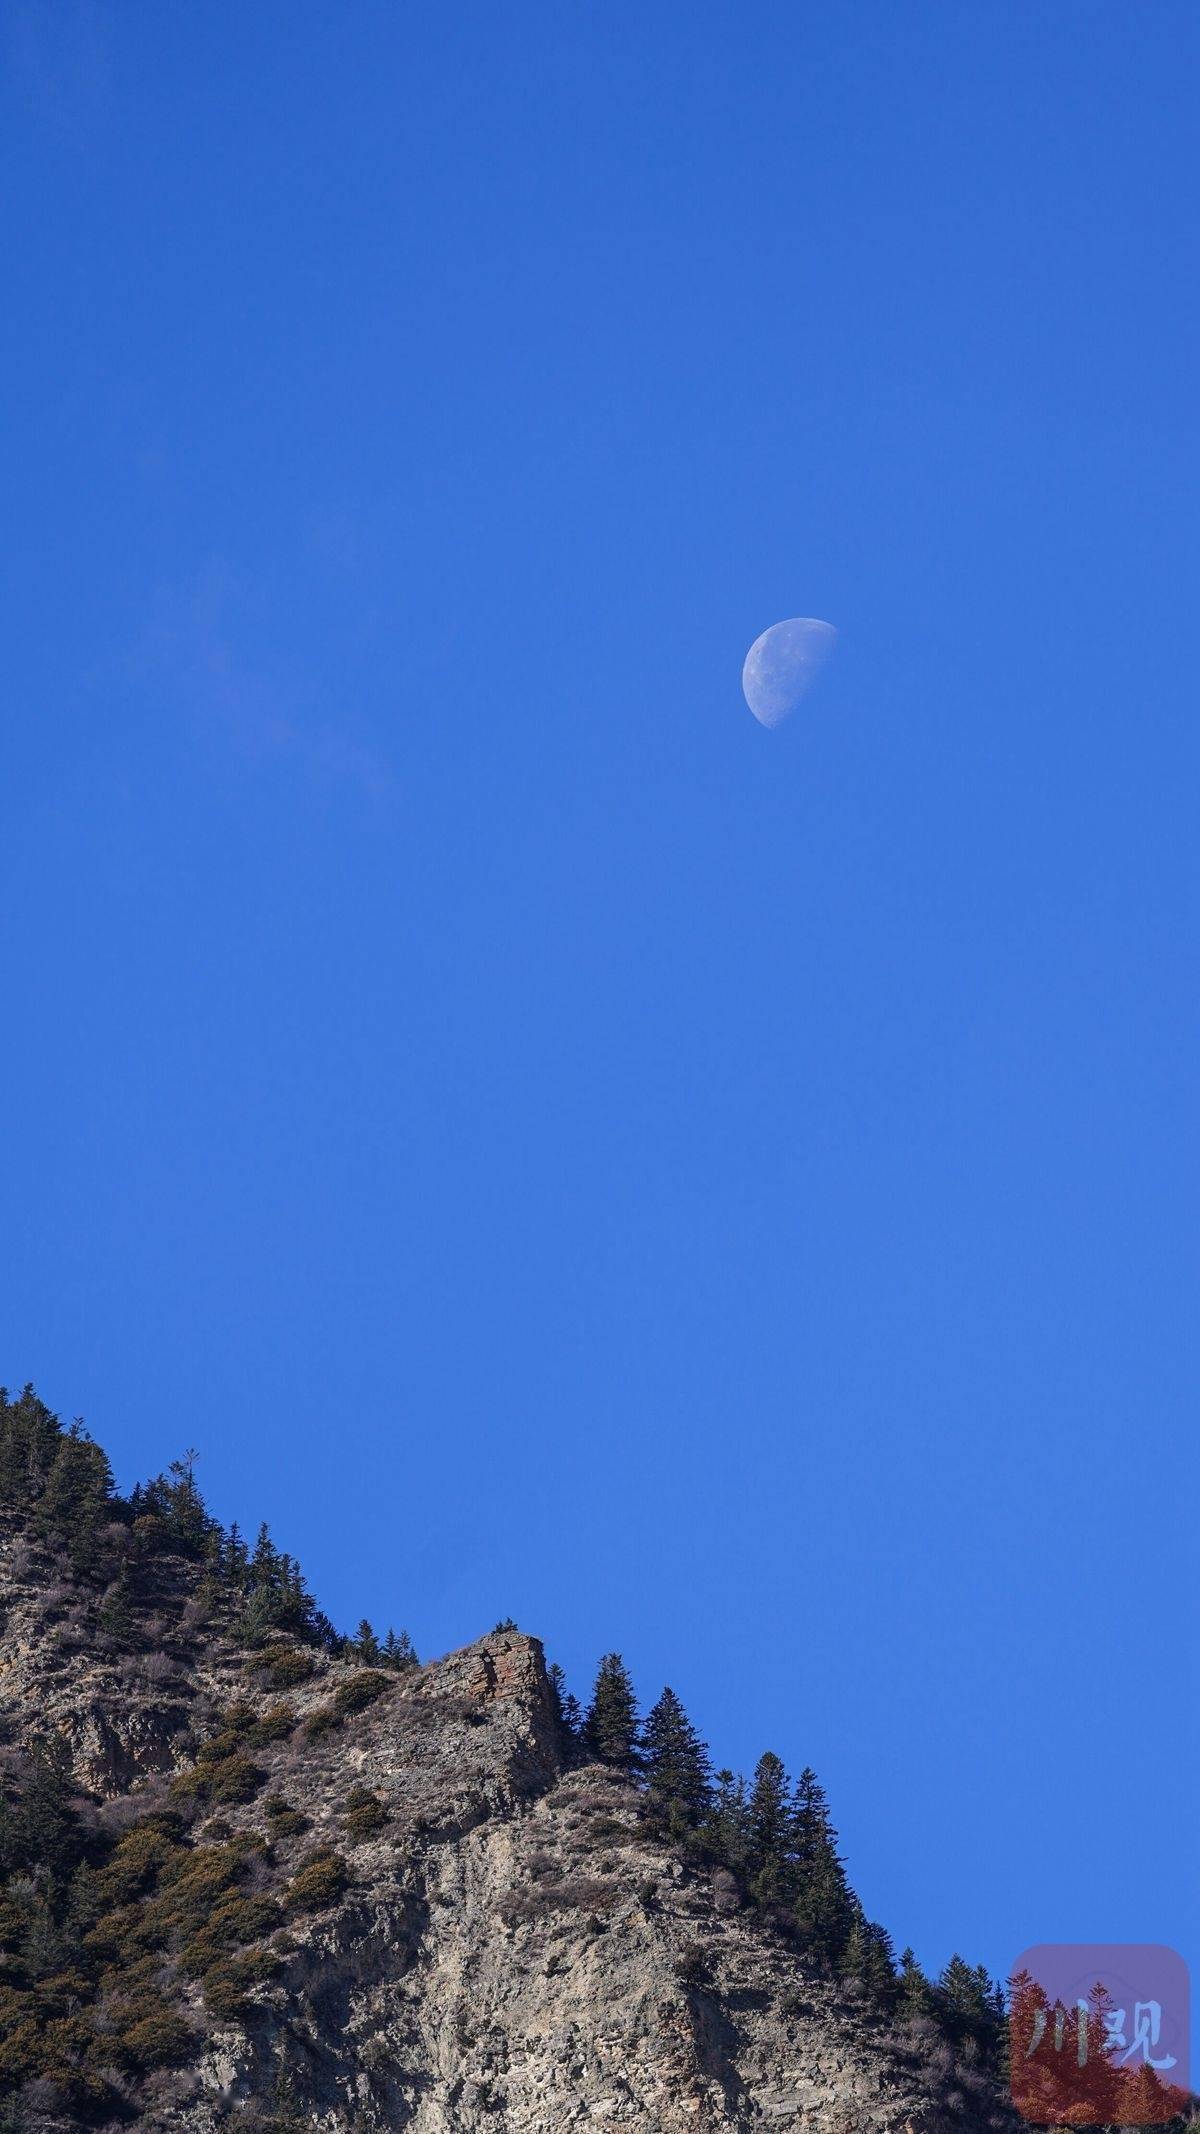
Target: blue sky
[555,1147]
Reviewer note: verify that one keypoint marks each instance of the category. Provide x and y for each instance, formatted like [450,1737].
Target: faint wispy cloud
[192,656]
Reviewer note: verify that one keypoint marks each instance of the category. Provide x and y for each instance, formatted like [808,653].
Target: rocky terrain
[317,1894]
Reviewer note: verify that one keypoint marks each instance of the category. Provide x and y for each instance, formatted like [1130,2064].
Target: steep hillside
[252,1882]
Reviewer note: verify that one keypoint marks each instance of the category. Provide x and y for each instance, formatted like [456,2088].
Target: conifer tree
[235,1559]
[867,1955]
[677,1765]
[46,1823]
[566,1707]
[116,1612]
[188,1522]
[823,1903]
[969,1999]
[915,1994]
[727,1824]
[772,1851]
[264,1564]
[399,1651]
[294,1609]
[76,1497]
[611,1726]
[212,1583]
[367,1644]
[29,1439]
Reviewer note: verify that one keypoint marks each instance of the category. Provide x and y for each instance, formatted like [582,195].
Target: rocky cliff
[313,1894]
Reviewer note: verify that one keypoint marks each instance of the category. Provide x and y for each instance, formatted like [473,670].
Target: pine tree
[611,1726]
[29,1438]
[116,1610]
[294,1606]
[188,1522]
[399,1651]
[1104,2083]
[677,1766]
[287,2117]
[76,1498]
[46,1822]
[867,1955]
[772,1851]
[823,1902]
[566,1707]
[964,1991]
[367,1644]
[915,1996]
[212,1582]
[726,1829]
[879,1970]
[264,1564]
[235,1560]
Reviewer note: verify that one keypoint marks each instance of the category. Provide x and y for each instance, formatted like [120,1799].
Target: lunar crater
[782,665]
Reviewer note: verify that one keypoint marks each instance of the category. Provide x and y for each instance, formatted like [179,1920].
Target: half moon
[782,665]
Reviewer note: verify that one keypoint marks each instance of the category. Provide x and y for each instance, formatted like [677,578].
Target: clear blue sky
[555,1147]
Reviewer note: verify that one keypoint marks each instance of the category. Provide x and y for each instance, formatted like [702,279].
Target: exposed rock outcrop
[510,1946]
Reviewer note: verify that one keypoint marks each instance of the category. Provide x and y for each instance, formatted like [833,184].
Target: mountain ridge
[281,1888]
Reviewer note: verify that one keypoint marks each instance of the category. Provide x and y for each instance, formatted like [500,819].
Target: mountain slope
[281,1889]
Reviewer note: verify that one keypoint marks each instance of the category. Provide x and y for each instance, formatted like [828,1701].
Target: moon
[782,665]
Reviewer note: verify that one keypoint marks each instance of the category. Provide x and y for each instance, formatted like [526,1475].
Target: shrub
[360,1691]
[235,1921]
[58,1995]
[128,1983]
[236,1779]
[283,1667]
[322,1721]
[583,1893]
[137,1861]
[285,1821]
[231,1779]
[159,1668]
[692,1967]
[232,1729]
[121,1933]
[274,1725]
[321,1881]
[160,2039]
[365,1818]
[191,1895]
[226,1985]
[604,1828]
[20,2051]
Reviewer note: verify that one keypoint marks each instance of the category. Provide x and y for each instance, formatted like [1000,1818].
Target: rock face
[515,1955]
[513,1950]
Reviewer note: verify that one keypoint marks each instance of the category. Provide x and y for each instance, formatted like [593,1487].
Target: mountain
[257,1876]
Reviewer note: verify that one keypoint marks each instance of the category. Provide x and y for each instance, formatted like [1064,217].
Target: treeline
[777,1839]
[773,1835]
[59,1484]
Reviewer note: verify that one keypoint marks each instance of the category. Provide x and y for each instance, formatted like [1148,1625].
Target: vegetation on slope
[122,1942]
